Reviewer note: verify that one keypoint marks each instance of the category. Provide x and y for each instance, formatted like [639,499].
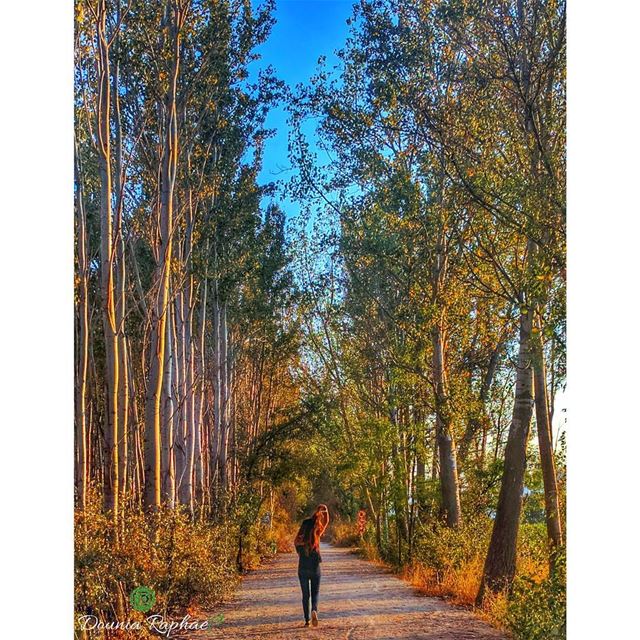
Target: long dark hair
[309,534]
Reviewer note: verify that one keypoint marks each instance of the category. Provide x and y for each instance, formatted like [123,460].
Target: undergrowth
[190,565]
[448,563]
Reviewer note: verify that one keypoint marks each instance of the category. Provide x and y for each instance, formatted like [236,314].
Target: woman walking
[308,547]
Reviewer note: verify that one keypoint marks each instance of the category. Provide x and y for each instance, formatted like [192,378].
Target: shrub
[343,533]
[537,610]
[533,551]
[196,562]
[368,549]
[189,565]
[448,562]
[282,532]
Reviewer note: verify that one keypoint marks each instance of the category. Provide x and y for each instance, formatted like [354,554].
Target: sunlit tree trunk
[136,455]
[233,452]
[449,483]
[199,445]
[123,417]
[224,399]
[184,448]
[159,310]
[217,388]
[82,435]
[123,372]
[189,308]
[168,418]
[545,444]
[189,399]
[500,564]
[179,383]
[107,279]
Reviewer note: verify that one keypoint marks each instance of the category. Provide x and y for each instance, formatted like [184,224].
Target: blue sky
[304,31]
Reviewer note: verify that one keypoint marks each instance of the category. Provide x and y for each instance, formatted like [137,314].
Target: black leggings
[310,583]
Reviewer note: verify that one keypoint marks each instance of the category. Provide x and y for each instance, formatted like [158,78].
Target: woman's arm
[325,517]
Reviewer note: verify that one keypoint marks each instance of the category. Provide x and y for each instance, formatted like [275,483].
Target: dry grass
[343,533]
[458,585]
[461,585]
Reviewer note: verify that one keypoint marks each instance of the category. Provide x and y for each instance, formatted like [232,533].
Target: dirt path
[358,600]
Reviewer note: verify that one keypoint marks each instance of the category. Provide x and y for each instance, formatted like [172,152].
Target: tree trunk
[180,385]
[543,424]
[168,419]
[137,465]
[159,312]
[123,372]
[186,484]
[200,399]
[82,469]
[215,434]
[224,400]
[479,423]
[500,564]
[449,484]
[107,280]
[123,414]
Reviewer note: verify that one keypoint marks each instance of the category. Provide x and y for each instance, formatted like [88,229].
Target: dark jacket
[308,562]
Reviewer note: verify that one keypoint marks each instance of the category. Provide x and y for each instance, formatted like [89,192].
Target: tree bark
[159,312]
[123,372]
[107,280]
[217,385]
[500,564]
[82,468]
[200,399]
[449,484]
[479,423]
[168,419]
[187,400]
[224,400]
[543,425]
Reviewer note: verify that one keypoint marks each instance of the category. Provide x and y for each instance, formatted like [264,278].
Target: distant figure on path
[307,544]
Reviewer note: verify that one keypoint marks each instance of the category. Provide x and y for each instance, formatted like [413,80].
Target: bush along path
[358,600]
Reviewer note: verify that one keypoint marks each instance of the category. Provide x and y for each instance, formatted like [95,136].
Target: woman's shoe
[306,623]
[314,618]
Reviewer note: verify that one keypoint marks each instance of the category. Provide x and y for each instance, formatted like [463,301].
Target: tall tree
[82,338]
[107,260]
[175,14]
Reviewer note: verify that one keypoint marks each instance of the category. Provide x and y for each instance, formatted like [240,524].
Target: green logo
[216,620]
[142,599]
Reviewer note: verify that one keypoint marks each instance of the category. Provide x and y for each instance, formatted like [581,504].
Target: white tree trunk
[82,431]
[107,279]
[159,312]
[168,417]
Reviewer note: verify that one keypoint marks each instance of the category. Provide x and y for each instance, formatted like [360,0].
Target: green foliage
[482,488]
[537,610]
[444,549]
